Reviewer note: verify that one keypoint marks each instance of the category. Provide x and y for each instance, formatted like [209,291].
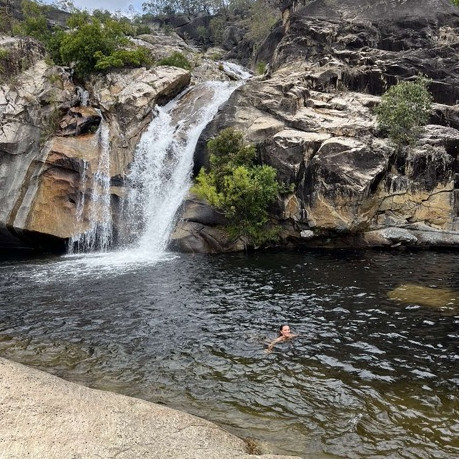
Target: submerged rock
[425,296]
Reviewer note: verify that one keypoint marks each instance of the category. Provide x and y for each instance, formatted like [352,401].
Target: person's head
[284,330]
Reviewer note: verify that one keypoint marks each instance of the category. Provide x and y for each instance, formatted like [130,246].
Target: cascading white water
[161,173]
[83,96]
[99,235]
[158,181]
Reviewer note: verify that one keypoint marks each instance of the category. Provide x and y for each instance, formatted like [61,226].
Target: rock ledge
[45,416]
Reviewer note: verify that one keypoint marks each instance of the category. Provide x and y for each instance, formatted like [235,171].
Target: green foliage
[142,29]
[176,59]
[99,43]
[34,24]
[261,67]
[123,58]
[217,29]
[262,17]
[170,7]
[404,110]
[203,34]
[4,55]
[242,190]
[228,151]
[87,38]
[94,42]
[455,2]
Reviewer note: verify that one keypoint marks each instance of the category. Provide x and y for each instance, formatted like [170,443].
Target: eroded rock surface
[312,118]
[51,142]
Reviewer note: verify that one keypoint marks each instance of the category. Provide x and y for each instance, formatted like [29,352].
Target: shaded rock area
[312,118]
[199,230]
[45,416]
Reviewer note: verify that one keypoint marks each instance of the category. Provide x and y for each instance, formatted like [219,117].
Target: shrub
[4,54]
[217,29]
[93,43]
[261,68]
[262,19]
[142,29]
[404,110]
[35,23]
[176,59]
[123,58]
[242,190]
[88,37]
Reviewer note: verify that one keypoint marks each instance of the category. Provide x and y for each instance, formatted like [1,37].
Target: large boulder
[45,416]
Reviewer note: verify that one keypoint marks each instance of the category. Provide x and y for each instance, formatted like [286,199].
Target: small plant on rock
[176,59]
[404,110]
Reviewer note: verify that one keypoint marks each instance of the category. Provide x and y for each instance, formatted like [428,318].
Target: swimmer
[284,335]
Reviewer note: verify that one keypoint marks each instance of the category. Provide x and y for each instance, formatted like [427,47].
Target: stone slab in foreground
[44,416]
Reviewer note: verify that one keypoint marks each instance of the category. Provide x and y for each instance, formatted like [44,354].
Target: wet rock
[50,146]
[194,237]
[79,120]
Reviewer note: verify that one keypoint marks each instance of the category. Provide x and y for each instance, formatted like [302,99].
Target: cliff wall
[312,117]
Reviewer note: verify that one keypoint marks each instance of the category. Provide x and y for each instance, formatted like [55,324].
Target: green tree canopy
[241,189]
[35,23]
[404,110]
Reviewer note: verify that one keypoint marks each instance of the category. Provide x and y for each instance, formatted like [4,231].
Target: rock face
[51,143]
[44,416]
[311,117]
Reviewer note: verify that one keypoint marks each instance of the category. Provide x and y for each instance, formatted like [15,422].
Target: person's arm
[272,343]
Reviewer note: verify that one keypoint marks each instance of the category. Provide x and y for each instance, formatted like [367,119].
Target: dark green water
[369,376]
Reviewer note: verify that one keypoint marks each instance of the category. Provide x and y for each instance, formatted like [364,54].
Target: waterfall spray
[158,180]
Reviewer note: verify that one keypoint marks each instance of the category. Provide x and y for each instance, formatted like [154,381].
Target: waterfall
[161,173]
[83,96]
[157,182]
[99,235]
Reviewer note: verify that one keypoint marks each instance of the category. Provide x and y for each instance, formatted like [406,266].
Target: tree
[170,7]
[93,45]
[35,23]
[241,189]
[404,110]
[176,59]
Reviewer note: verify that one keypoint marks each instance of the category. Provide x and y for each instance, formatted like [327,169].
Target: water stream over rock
[161,174]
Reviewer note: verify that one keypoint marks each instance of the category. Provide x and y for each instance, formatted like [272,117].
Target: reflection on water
[369,376]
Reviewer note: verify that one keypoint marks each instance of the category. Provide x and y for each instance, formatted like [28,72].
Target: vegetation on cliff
[91,43]
[238,26]
[241,189]
[254,18]
[404,110]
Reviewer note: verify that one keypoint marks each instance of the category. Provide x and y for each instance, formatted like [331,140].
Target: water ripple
[367,377]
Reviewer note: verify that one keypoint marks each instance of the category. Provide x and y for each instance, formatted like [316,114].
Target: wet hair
[281,327]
